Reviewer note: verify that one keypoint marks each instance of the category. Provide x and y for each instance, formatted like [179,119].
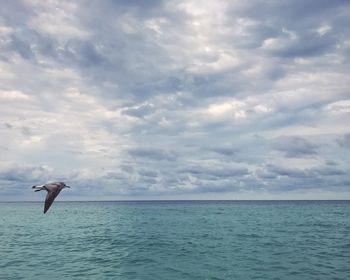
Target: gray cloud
[152,153]
[225,151]
[287,179]
[271,172]
[344,141]
[140,111]
[215,171]
[296,147]
[29,174]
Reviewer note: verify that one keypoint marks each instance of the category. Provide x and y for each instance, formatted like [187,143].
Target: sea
[175,240]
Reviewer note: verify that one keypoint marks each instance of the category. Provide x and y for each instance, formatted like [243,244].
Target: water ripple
[175,241]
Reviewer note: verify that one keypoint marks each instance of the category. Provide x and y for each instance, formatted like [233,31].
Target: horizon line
[178,200]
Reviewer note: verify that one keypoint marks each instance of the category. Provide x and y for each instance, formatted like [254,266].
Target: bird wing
[50,197]
[52,187]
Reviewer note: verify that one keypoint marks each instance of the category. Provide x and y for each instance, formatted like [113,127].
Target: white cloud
[233,108]
[339,107]
[323,29]
[13,95]
[57,19]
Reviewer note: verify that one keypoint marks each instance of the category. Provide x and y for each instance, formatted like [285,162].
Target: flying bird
[53,189]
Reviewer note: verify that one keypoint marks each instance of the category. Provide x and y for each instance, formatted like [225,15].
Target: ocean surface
[176,240]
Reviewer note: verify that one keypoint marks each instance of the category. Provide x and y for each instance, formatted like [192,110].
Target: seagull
[53,189]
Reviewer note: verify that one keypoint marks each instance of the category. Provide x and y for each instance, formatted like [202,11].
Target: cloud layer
[175,99]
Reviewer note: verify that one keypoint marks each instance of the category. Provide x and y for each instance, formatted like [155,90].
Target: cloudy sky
[175,99]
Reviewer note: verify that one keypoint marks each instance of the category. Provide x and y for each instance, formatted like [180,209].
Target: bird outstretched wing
[50,197]
[52,187]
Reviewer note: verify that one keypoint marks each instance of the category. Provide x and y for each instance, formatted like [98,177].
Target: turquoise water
[175,240]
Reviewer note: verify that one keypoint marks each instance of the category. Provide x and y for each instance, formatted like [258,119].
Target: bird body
[53,190]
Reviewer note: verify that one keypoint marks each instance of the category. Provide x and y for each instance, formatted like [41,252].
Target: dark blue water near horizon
[176,240]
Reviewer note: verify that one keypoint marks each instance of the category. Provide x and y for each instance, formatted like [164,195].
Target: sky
[178,99]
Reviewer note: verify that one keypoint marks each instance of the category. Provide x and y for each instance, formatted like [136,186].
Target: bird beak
[67,186]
